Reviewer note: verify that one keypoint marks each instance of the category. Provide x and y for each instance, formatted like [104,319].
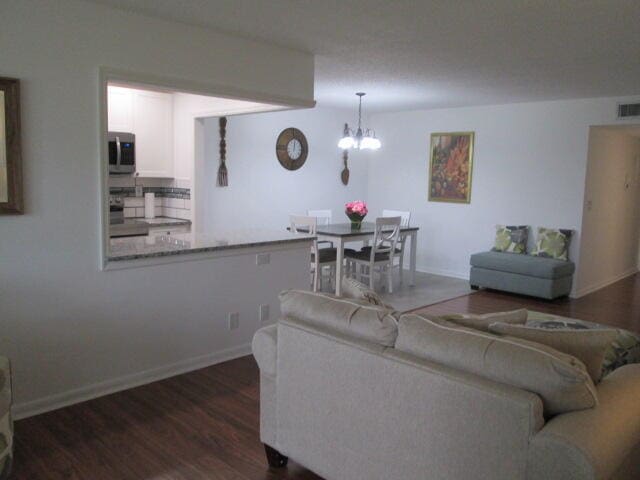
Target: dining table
[342,233]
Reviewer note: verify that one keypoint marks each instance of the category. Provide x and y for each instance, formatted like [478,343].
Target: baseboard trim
[95,390]
[444,272]
[593,288]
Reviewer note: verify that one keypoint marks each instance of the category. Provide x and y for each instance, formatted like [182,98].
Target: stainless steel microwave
[122,152]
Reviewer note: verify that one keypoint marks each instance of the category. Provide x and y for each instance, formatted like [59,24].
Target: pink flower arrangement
[357,209]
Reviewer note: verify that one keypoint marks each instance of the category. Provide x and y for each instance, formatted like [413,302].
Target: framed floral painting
[450,167]
[10,158]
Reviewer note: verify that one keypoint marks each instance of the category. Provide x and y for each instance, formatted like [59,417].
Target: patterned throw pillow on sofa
[353,289]
[625,348]
[511,238]
[552,243]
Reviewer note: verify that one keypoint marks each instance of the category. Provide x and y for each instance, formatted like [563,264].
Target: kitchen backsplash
[171,201]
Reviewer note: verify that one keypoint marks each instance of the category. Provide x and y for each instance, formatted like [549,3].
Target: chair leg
[315,279]
[274,457]
[335,277]
[401,266]
[390,278]
[371,277]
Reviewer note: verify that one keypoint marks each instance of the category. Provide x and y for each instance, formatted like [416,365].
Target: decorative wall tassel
[223,180]
[345,171]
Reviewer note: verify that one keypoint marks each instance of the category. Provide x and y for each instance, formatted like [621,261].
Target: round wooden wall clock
[292,148]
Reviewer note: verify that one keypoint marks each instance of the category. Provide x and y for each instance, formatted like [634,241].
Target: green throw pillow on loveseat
[552,243]
[511,238]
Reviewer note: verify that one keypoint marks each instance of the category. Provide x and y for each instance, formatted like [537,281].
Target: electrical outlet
[263,259]
[234,320]
[263,313]
[138,190]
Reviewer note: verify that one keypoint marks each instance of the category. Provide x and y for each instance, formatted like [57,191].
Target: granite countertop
[159,221]
[133,248]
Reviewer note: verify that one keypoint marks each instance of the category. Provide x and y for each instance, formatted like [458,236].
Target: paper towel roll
[149,205]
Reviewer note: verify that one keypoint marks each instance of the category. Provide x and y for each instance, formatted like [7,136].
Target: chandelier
[359,139]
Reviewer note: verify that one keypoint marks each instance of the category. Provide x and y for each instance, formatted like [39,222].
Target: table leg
[412,257]
[339,260]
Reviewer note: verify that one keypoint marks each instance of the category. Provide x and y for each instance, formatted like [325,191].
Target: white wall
[529,169]
[261,192]
[65,324]
[611,222]
[188,111]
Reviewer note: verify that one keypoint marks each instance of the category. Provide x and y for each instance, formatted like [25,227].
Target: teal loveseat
[524,274]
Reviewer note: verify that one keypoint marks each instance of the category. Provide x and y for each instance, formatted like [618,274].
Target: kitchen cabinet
[120,109]
[149,115]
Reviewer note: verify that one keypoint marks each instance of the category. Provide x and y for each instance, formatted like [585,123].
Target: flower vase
[356,221]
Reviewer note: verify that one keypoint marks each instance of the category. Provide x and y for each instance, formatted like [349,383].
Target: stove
[124,227]
[116,209]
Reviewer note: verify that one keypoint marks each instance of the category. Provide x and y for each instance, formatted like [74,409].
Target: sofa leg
[475,287]
[274,457]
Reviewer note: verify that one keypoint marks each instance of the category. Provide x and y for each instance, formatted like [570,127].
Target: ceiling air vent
[628,110]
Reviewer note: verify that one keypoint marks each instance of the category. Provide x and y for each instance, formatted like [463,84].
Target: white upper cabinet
[149,115]
[120,109]
[153,126]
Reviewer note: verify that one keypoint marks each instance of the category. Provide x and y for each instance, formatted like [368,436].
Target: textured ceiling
[438,53]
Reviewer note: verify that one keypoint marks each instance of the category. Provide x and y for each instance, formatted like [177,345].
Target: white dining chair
[321,258]
[323,216]
[379,256]
[399,252]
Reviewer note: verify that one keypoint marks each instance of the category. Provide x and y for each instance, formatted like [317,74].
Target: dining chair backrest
[386,235]
[302,224]
[404,215]
[323,216]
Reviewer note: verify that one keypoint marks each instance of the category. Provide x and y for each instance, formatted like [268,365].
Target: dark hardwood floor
[617,304]
[204,424]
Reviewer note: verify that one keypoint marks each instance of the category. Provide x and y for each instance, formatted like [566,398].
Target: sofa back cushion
[482,322]
[373,323]
[559,379]
[588,346]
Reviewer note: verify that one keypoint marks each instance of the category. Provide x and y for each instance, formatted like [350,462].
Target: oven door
[122,153]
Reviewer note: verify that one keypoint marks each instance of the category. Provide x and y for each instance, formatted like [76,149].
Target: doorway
[610,241]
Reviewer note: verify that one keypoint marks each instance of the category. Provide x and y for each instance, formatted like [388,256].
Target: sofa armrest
[591,444]
[265,349]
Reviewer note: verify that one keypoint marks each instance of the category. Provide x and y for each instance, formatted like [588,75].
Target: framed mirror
[10,152]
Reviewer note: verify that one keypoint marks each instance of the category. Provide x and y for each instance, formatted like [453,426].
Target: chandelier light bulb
[346,143]
[367,143]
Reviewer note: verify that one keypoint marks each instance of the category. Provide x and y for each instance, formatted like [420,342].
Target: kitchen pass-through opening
[154,170]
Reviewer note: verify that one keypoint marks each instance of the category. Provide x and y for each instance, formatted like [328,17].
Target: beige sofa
[338,398]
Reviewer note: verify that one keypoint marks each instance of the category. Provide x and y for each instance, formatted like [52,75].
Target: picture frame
[451,167]
[11,194]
